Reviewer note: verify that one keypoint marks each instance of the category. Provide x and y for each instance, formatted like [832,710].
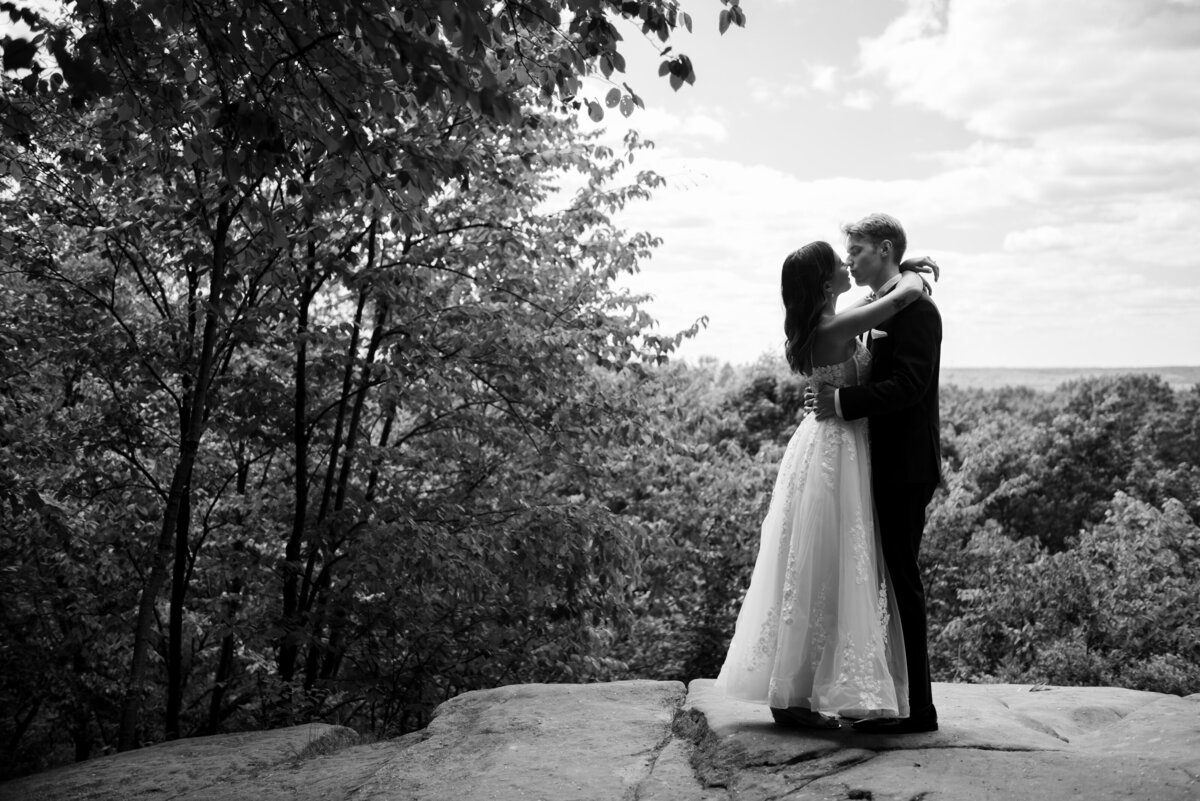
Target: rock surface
[996,741]
[263,765]
[560,742]
[652,741]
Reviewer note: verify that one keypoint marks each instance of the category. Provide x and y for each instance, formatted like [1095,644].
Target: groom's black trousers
[900,512]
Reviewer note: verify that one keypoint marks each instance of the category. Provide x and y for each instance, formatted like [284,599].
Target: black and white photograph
[575,400]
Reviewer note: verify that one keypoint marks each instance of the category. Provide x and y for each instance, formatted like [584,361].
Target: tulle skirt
[818,627]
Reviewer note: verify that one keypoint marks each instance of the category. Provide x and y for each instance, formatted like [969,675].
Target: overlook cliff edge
[660,741]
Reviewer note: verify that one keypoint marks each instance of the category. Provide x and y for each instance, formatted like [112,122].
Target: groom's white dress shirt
[887,287]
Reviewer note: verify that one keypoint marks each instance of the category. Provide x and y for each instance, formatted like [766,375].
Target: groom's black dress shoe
[926,721]
[799,718]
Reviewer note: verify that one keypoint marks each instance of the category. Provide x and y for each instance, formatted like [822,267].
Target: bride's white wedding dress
[818,627]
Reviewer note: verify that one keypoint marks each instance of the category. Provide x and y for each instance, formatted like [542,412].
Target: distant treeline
[1048,379]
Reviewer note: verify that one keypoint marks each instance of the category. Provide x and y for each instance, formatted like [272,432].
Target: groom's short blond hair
[878,227]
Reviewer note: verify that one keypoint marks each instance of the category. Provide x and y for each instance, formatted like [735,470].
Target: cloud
[726,228]
[1014,68]
[1036,240]
[859,100]
[1086,115]
[766,91]
[824,77]
[1060,197]
[675,133]
[1032,299]
[812,78]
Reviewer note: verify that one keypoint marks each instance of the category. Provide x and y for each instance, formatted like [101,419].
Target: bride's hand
[921,264]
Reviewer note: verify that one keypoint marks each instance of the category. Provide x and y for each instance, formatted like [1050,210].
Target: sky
[1047,155]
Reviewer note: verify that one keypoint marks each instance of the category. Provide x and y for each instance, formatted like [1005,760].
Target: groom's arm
[916,339]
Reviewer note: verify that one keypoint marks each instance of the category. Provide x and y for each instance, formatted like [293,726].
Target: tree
[222,186]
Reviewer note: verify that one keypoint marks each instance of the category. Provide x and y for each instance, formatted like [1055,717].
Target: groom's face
[864,259]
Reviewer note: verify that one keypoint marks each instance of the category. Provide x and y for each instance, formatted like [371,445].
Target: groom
[901,404]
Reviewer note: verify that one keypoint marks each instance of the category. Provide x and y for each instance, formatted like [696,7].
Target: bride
[818,634]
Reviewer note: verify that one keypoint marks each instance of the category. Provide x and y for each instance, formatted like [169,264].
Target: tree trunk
[291,578]
[293,591]
[373,481]
[319,594]
[224,672]
[179,578]
[229,641]
[333,655]
[131,706]
[23,721]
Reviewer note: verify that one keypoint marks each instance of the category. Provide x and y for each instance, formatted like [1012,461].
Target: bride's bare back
[828,349]
[833,341]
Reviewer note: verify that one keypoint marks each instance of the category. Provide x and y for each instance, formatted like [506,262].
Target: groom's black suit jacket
[901,399]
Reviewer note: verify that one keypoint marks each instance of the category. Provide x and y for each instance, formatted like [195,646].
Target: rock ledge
[654,741]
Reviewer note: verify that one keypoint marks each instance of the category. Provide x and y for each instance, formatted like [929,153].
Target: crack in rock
[815,756]
[725,765]
[1038,726]
[714,763]
[1014,749]
[658,748]
[776,765]
[813,770]
[835,764]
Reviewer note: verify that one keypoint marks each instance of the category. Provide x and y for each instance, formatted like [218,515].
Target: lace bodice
[852,372]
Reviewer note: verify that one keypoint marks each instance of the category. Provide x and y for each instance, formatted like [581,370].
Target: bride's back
[828,350]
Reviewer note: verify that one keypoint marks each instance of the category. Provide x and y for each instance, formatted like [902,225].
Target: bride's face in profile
[841,278]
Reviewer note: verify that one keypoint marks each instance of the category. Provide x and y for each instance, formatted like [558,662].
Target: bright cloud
[1083,288]
[1011,68]
[859,100]
[824,77]
[810,79]
[764,90]
[672,132]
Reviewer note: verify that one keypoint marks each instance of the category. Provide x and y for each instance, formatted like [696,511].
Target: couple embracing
[833,623]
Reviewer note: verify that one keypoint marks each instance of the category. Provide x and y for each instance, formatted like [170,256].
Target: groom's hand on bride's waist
[821,402]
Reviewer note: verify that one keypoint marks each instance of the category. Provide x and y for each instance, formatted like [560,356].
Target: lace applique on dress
[859,676]
[820,627]
[764,647]
[862,558]
[882,613]
[788,601]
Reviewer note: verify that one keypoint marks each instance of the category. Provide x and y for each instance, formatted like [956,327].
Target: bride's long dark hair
[805,272]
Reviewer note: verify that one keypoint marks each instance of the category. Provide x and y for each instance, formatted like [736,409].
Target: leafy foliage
[309,387]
